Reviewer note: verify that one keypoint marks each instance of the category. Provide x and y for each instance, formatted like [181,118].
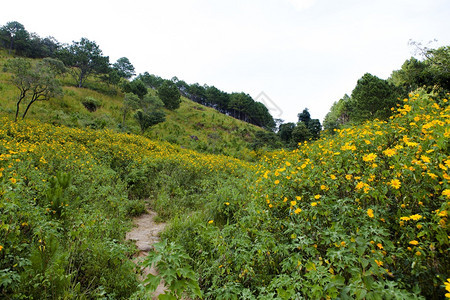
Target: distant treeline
[238,105]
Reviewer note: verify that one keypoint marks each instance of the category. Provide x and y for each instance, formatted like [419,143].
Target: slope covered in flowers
[359,214]
[67,196]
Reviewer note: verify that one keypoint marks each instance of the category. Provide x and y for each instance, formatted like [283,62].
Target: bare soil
[145,234]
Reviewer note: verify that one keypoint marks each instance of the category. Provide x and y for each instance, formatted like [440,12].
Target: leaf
[166,297]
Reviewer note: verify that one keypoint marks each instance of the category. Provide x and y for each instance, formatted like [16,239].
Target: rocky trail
[145,234]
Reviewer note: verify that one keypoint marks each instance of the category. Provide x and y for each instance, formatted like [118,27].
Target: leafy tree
[35,82]
[136,87]
[266,139]
[300,134]
[304,116]
[124,68]
[373,98]
[338,115]
[130,102]
[86,58]
[150,80]
[314,128]
[285,132]
[312,125]
[169,94]
[412,75]
[148,119]
[13,33]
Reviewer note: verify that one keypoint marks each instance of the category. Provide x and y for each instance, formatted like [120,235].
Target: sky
[288,54]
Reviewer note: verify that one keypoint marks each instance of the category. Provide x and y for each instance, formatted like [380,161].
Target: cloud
[302,4]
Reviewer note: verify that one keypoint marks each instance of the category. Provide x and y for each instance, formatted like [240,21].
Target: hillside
[192,126]
[362,214]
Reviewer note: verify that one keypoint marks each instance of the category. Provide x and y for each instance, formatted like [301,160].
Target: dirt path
[145,234]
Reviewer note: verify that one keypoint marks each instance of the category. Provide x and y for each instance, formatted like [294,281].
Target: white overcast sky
[300,53]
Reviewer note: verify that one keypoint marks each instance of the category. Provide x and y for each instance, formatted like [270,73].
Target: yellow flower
[298,198]
[323,187]
[1,247]
[277,181]
[297,211]
[314,204]
[369,157]
[293,203]
[227,203]
[317,197]
[390,152]
[13,180]
[210,221]
[379,262]
[370,212]
[348,176]
[395,183]
[418,253]
[419,226]
[333,177]
[447,287]
[416,217]
[425,158]
[446,192]
[414,242]
[379,245]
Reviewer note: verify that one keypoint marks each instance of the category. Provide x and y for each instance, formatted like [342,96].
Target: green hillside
[192,126]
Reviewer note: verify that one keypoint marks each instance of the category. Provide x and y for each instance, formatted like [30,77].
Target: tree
[304,116]
[300,134]
[35,82]
[170,95]
[373,98]
[148,119]
[12,33]
[124,68]
[285,132]
[338,115]
[130,102]
[85,58]
[136,87]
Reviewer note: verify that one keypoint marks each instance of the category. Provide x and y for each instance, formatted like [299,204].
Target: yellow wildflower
[369,157]
[390,152]
[314,204]
[297,211]
[395,183]
[370,212]
[414,242]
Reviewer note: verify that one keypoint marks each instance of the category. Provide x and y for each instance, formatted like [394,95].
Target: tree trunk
[28,107]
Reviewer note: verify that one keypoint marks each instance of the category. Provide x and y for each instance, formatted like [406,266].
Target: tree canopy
[169,94]
[85,58]
[35,82]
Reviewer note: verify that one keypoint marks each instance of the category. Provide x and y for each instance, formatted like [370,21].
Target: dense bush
[362,214]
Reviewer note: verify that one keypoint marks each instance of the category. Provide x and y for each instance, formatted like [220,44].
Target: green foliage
[124,68]
[373,98]
[35,82]
[91,104]
[147,119]
[339,114]
[136,87]
[84,59]
[173,267]
[169,95]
